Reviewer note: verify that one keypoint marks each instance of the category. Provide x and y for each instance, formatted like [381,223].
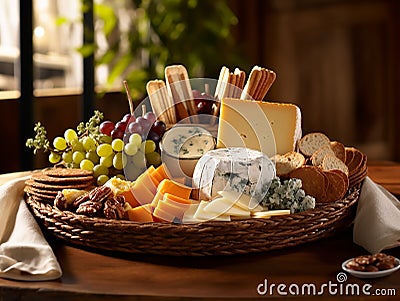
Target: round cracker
[67,172]
[313,181]
[337,187]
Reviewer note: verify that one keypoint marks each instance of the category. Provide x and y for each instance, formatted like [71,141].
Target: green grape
[77,146]
[102,179]
[105,139]
[153,158]
[107,161]
[104,150]
[136,139]
[92,156]
[86,164]
[99,170]
[54,158]
[139,159]
[120,176]
[60,143]
[89,144]
[117,145]
[70,135]
[148,146]
[130,149]
[67,157]
[118,162]
[77,157]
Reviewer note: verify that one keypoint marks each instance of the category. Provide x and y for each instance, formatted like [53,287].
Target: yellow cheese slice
[241,200]
[208,215]
[272,128]
[223,206]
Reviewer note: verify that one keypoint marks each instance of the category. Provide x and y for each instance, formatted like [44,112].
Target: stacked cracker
[172,100]
[45,185]
[327,168]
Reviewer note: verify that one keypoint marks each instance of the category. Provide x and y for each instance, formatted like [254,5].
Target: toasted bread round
[339,150]
[288,162]
[318,156]
[313,179]
[311,142]
[332,162]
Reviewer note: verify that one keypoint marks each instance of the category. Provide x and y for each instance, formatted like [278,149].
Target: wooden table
[88,275]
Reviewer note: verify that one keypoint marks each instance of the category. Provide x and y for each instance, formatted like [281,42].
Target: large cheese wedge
[273,128]
[233,169]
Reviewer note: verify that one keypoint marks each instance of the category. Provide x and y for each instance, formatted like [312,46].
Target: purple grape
[135,127]
[106,127]
[121,125]
[117,133]
[154,136]
[128,118]
[159,127]
[146,124]
[151,117]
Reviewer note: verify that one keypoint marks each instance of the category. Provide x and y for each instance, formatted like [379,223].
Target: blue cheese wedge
[233,169]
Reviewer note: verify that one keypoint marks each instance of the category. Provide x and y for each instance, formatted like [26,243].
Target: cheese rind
[273,128]
[233,169]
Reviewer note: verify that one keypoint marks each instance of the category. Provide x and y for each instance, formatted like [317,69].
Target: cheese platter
[200,167]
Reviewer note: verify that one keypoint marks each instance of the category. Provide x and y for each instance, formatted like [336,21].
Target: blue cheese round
[233,169]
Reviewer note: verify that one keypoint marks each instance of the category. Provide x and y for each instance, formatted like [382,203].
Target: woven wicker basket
[208,238]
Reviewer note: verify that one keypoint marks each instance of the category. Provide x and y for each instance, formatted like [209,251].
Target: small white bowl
[182,163]
[360,274]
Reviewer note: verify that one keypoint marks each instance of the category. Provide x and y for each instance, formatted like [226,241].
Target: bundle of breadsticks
[172,100]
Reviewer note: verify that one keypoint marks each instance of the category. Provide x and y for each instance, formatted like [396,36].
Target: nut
[372,263]
[89,208]
[100,194]
[60,201]
[114,208]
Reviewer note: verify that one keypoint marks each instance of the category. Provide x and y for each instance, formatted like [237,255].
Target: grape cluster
[124,149]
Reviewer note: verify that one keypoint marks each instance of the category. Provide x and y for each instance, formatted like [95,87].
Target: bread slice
[331,162]
[311,142]
[339,150]
[319,154]
[288,162]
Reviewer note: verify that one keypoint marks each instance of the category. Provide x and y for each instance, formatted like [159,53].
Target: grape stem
[143,110]
[128,94]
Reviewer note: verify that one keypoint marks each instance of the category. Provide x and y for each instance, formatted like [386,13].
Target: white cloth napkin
[24,252]
[377,222]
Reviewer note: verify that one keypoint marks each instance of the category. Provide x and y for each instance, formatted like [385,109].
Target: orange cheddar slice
[159,173]
[169,186]
[176,199]
[140,214]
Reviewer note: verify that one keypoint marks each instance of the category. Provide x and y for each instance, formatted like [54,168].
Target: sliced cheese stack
[272,128]
[233,169]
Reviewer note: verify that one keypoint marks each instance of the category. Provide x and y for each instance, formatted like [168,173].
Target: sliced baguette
[331,162]
[319,154]
[339,150]
[288,162]
[311,142]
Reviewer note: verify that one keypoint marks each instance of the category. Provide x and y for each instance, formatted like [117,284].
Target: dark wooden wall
[338,60]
